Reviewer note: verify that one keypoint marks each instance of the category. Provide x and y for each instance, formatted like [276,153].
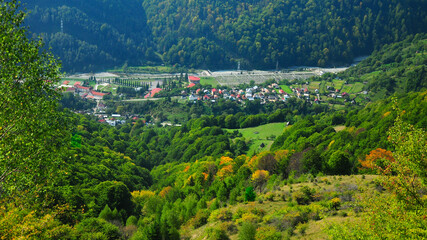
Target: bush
[267,233]
[304,196]
[334,203]
[247,231]
[270,196]
[250,194]
[216,234]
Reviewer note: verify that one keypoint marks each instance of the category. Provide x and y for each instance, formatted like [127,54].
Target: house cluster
[84,92]
[117,119]
[272,93]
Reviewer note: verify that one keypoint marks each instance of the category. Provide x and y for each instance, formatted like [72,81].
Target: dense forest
[93,35]
[357,172]
[217,35]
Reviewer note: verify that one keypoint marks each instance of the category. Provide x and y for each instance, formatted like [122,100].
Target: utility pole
[62,26]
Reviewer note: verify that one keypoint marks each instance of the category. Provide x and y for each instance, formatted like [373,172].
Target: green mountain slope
[263,33]
[214,34]
[95,34]
[398,67]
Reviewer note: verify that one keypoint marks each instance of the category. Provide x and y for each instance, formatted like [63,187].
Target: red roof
[98,93]
[213,90]
[193,78]
[66,82]
[102,120]
[191,85]
[77,83]
[152,92]
[80,87]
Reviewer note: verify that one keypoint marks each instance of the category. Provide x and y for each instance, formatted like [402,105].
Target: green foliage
[261,33]
[401,212]
[247,231]
[339,163]
[250,194]
[106,214]
[397,67]
[32,133]
[93,38]
[96,228]
[304,196]
[131,221]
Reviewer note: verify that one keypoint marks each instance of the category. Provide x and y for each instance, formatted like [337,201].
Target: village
[194,89]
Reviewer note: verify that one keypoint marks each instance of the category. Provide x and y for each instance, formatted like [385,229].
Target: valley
[213,120]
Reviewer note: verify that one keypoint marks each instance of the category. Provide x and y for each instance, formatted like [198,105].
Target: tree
[399,213]
[31,130]
[339,163]
[247,231]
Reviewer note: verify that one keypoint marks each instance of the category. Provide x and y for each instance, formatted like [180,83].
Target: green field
[209,81]
[338,84]
[353,88]
[258,135]
[313,86]
[286,88]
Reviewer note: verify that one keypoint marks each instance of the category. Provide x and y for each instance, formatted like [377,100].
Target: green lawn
[286,88]
[259,135]
[209,81]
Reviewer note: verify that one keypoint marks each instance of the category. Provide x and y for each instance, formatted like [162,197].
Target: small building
[153,92]
[193,79]
[79,88]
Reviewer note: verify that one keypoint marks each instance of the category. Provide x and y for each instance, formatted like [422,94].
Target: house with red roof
[153,92]
[80,88]
[193,79]
[97,95]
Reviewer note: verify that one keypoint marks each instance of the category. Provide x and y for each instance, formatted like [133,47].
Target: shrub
[270,196]
[216,234]
[250,194]
[304,196]
[247,231]
[267,233]
[335,203]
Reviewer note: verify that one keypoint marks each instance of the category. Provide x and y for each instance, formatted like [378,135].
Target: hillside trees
[32,132]
[402,212]
[261,34]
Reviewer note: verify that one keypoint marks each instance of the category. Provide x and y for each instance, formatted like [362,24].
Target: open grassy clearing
[264,134]
[209,81]
[286,88]
[263,131]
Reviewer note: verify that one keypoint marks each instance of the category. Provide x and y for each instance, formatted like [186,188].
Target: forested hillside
[216,34]
[398,67]
[96,34]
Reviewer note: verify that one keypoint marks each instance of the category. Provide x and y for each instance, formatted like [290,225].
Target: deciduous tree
[31,130]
